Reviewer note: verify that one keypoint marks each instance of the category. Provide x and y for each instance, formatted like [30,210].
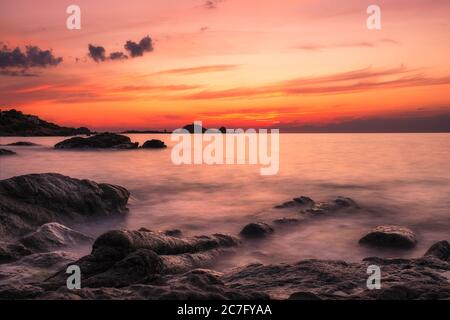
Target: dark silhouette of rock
[5,152]
[99,141]
[15,123]
[223,130]
[340,203]
[296,202]
[29,201]
[22,144]
[440,250]
[192,128]
[390,236]
[256,230]
[54,236]
[287,221]
[154,144]
[173,233]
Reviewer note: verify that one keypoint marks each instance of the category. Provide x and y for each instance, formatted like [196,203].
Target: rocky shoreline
[39,214]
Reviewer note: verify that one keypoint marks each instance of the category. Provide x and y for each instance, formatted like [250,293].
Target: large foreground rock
[99,141]
[123,257]
[256,230]
[390,236]
[29,201]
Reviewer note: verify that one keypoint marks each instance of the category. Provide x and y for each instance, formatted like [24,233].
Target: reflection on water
[401,179]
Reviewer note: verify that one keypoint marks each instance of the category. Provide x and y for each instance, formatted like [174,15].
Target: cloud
[200,69]
[361,44]
[211,4]
[340,83]
[138,49]
[15,62]
[117,56]
[98,53]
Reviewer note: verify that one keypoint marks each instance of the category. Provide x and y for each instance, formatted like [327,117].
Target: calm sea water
[399,179]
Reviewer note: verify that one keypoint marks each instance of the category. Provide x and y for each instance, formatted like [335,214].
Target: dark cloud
[97,53]
[212,4]
[117,56]
[138,49]
[15,62]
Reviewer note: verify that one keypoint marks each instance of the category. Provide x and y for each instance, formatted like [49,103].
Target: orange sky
[242,63]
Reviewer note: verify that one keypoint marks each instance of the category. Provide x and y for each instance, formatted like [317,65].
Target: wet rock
[5,152]
[287,221]
[121,258]
[54,236]
[256,230]
[99,141]
[173,233]
[303,295]
[29,201]
[154,144]
[22,144]
[340,203]
[390,236]
[126,146]
[440,250]
[296,202]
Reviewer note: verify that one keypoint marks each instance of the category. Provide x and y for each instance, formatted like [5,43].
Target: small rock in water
[440,250]
[22,144]
[296,202]
[390,236]
[5,152]
[99,141]
[287,221]
[338,204]
[154,144]
[256,230]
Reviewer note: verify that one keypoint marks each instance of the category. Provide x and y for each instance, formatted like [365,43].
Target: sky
[287,64]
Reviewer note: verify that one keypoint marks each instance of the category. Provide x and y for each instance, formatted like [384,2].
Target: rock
[121,258]
[5,152]
[440,250]
[256,230]
[100,141]
[54,236]
[390,236]
[154,144]
[15,123]
[173,233]
[126,146]
[22,144]
[296,202]
[340,203]
[29,201]
[287,221]
[194,128]
[303,295]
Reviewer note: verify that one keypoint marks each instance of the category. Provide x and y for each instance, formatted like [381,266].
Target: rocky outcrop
[440,250]
[296,202]
[99,141]
[154,144]
[123,257]
[338,204]
[22,144]
[256,230]
[54,236]
[15,123]
[29,201]
[5,152]
[391,237]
